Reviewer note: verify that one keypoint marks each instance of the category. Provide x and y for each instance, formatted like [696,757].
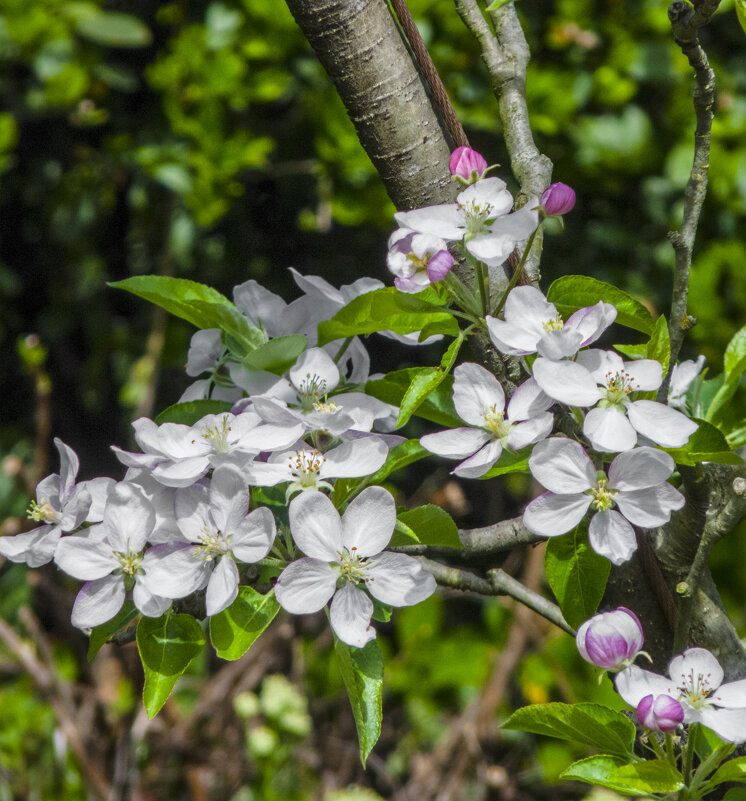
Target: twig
[498,583]
[686,22]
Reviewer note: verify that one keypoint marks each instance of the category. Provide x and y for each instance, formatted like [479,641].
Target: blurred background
[203,140]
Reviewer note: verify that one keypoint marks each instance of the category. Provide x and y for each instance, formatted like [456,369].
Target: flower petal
[592,321]
[530,432]
[182,473]
[361,457]
[732,694]
[475,391]
[222,587]
[661,424]
[316,526]
[528,401]
[728,724]
[477,465]
[694,662]
[84,559]
[562,344]
[634,683]
[650,507]
[640,468]
[610,535]
[645,374]
[562,466]
[455,443]
[399,580]
[444,221]
[254,536]
[369,522]
[35,547]
[69,466]
[314,373]
[350,615]
[175,571]
[567,382]
[305,586]
[97,602]
[150,605]
[609,430]
[550,515]
[229,498]
[129,517]
[192,511]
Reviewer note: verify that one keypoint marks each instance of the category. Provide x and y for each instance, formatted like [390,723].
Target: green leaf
[633,351]
[196,303]
[387,309]
[510,462]
[103,633]
[589,724]
[706,444]
[362,674]
[277,355]
[189,412]
[735,793]
[573,292]
[400,456]
[403,535]
[734,360]
[576,574]
[706,741]
[494,5]
[437,406]
[167,645]
[114,29]
[734,770]
[640,778]
[659,344]
[234,630]
[432,526]
[426,381]
[741,13]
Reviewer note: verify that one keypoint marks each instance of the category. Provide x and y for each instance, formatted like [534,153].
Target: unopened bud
[558,199]
[739,485]
[467,164]
[610,640]
[660,713]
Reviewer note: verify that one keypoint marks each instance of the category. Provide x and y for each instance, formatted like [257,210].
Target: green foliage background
[203,140]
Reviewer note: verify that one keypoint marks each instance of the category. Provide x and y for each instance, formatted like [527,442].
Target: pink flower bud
[467,164]
[558,199]
[610,640]
[660,713]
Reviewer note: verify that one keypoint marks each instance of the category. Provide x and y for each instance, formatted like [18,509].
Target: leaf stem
[343,347]
[517,272]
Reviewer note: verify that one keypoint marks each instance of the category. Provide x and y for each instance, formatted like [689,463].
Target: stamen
[43,512]
[603,497]
[218,437]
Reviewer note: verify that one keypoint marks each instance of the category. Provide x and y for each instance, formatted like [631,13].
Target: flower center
[310,389]
[217,436]
[214,544]
[419,265]
[618,387]
[129,562]
[695,689]
[327,407]
[603,497]
[478,218]
[553,324]
[43,512]
[305,466]
[494,422]
[353,567]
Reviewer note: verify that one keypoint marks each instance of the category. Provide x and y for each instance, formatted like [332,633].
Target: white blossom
[682,377]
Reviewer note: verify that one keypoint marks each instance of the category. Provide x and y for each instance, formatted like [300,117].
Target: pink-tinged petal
[695,662]
[412,285]
[530,432]
[316,371]
[97,602]
[361,457]
[445,221]
[610,535]
[477,465]
[399,580]
[609,430]
[129,517]
[562,466]
[476,391]
[148,604]
[350,615]
[305,586]
[728,724]
[439,266]
[69,466]
[640,468]
[592,321]
[645,374]
[229,498]
[35,547]
[651,507]
[254,536]
[455,443]
[609,639]
[558,199]
[556,345]
[369,522]
[316,526]
[661,424]
[182,473]
[175,572]
[467,163]
[528,401]
[732,695]
[550,515]
[511,339]
[222,588]
[634,683]
[192,511]
[567,382]
[84,559]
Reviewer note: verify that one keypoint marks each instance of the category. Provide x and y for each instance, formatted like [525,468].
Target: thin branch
[686,22]
[497,583]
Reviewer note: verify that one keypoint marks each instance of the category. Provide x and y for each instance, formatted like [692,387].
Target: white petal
[477,465]
[229,498]
[530,432]
[561,344]
[175,572]
[350,615]
[182,473]
[661,424]
[526,306]
[305,585]
[192,511]
[475,391]
[650,507]
[646,374]
[640,468]
[316,526]
[488,192]
[610,535]
[148,604]
[492,248]
[69,466]
[354,459]
[600,363]
[455,443]
[550,515]
[97,602]
[129,517]
[528,401]
[259,304]
[562,466]
[222,588]
[369,522]
[399,580]
[634,683]
[253,538]
[84,559]
[268,474]
[728,724]
[444,221]
[592,321]
[567,382]
[511,339]
[35,548]
[98,489]
[732,694]
[315,365]
[609,430]
[696,662]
